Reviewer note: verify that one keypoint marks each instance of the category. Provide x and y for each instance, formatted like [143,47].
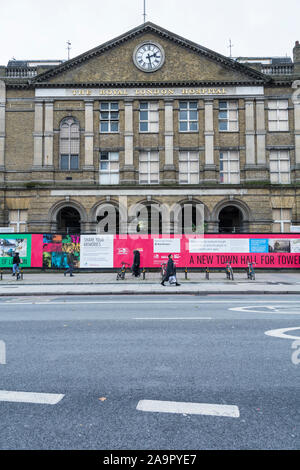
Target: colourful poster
[56,248]
[15,243]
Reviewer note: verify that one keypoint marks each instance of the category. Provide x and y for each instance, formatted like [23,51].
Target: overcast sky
[37,29]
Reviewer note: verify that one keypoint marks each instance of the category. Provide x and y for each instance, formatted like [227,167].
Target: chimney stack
[296,58]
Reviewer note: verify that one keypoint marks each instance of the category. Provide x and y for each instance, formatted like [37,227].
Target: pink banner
[265,251]
[191,251]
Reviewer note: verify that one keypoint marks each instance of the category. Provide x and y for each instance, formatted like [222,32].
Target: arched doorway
[108,219]
[68,220]
[230,220]
[190,219]
[150,220]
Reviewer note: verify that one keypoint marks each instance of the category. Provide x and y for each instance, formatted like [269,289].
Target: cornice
[137,84]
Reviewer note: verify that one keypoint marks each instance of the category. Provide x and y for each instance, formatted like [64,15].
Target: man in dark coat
[171,271]
[16,263]
[136,263]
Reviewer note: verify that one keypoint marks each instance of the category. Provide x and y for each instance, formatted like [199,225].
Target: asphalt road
[107,354]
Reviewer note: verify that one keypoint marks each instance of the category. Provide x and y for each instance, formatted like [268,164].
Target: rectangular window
[188,116]
[109,168]
[229,167]
[281,220]
[228,116]
[18,220]
[69,162]
[109,117]
[188,167]
[278,115]
[280,167]
[149,168]
[149,117]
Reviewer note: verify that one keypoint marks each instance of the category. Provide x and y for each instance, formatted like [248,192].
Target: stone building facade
[150,117]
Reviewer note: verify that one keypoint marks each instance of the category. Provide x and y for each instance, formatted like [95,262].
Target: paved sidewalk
[106,284]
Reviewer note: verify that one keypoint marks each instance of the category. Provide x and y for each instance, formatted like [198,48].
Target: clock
[148,56]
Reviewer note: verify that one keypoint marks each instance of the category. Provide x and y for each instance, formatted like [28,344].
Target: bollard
[144,274]
[1,275]
[207,273]
[21,274]
[185,273]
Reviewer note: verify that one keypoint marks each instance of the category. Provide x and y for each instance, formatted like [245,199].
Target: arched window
[69,142]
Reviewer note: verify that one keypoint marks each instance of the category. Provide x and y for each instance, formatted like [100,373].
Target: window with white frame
[69,143]
[281,220]
[149,168]
[280,167]
[149,116]
[18,220]
[109,168]
[188,167]
[109,117]
[188,116]
[278,115]
[230,167]
[228,116]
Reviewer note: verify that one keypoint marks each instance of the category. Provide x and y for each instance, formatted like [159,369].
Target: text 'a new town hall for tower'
[152,118]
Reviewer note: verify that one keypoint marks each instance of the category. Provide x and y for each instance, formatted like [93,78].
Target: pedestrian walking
[171,272]
[136,263]
[70,261]
[16,264]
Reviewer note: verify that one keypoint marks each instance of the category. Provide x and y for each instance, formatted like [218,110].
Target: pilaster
[48,135]
[169,168]
[128,170]
[209,167]
[89,136]
[2,128]
[38,136]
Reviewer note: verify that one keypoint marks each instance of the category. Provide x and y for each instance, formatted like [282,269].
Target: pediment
[185,62]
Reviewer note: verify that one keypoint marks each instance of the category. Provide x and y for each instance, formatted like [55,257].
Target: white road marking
[173,318]
[277,309]
[31,397]
[207,409]
[197,302]
[280,333]
[2,352]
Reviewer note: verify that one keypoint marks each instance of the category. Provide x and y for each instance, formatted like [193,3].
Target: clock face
[149,56]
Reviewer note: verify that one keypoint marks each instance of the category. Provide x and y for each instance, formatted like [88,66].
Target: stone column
[209,167]
[260,132]
[250,132]
[38,136]
[261,140]
[48,135]
[2,124]
[296,101]
[128,174]
[89,136]
[169,168]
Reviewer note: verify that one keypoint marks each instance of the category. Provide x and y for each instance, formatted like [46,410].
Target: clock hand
[148,57]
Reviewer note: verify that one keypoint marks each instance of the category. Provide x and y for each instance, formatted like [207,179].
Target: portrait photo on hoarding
[279,246]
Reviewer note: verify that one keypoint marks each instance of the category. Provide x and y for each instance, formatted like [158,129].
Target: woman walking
[171,271]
